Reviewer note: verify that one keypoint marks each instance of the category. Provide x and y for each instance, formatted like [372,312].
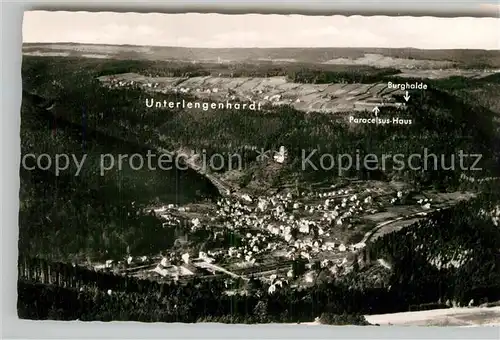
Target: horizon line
[263,48]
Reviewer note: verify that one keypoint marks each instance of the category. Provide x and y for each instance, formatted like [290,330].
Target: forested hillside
[443,123]
[89,216]
[453,255]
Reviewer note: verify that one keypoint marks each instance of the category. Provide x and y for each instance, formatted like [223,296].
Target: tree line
[451,255]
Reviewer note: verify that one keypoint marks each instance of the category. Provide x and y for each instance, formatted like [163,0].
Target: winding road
[223,188]
[410,218]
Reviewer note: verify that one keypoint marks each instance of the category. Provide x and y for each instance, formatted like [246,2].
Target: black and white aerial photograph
[257,169]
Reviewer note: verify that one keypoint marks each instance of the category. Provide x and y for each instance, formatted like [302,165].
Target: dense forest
[452,255]
[195,302]
[89,217]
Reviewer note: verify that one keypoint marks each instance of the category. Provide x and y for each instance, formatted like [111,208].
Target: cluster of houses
[305,226]
[276,283]
[114,82]
[278,228]
[272,227]
[266,91]
[274,231]
[227,94]
[166,269]
[425,203]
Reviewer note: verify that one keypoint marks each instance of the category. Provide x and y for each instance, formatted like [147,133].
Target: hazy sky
[257,30]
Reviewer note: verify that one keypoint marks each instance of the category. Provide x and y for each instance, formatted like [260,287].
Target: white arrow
[376,110]
[406,96]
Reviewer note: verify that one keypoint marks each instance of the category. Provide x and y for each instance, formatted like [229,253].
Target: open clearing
[379,60]
[445,73]
[272,90]
[478,316]
[453,317]
[379,57]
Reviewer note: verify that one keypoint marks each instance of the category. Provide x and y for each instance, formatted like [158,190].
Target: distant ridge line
[28,44]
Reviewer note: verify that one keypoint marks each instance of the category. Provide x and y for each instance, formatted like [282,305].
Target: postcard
[250,169]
